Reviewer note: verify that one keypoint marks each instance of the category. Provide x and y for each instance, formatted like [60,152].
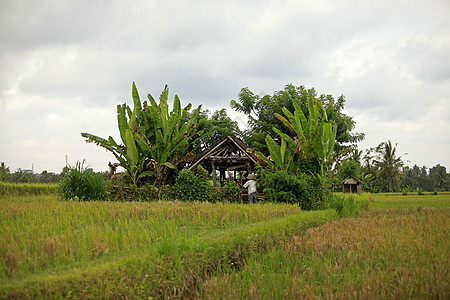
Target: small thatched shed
[228,155]
[351,185]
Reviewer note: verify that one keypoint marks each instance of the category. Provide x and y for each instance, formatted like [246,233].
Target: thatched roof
[229,150]
[351,180]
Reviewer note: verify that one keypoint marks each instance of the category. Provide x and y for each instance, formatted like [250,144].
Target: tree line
[295,131]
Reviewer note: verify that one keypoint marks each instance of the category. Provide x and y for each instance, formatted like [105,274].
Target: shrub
[120,190]
[82,184]
[304,189]
[420,191]
[231,191]
[192,186]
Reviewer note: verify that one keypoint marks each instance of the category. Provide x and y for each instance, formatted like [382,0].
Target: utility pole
[67,160]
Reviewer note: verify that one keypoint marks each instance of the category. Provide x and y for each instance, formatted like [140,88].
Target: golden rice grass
[385,254]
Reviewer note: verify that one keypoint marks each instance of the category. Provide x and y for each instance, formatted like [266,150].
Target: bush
[304,189]
[120,190]
[82,184]
[419,191]
[192,186]
[230,191]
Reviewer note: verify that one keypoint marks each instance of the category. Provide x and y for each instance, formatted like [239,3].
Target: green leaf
[132,153]
[274,150]
[122,120]
[147,174]
[136,100]
[283,150]
[168,164]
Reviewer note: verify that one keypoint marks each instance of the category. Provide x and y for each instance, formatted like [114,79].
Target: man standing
[251,188]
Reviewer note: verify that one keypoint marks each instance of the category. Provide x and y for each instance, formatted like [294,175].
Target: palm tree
[439,176]
[387,161]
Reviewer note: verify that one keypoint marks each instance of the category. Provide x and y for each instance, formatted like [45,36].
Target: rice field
[8,189]
[172,249]
[382,201]
[41,233]
[385,254]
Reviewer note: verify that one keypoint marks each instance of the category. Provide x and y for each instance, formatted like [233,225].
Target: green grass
[50,248]
[171,249]
[383,201]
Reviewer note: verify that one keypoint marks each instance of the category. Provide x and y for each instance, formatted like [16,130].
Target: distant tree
[439,177]
[356,155]
[416,177]
[23,176]
[261,114]
[48,177]
[4,172]
[388,162]
[349,168]
[220,124]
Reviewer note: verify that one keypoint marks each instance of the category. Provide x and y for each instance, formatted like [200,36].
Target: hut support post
[213,173]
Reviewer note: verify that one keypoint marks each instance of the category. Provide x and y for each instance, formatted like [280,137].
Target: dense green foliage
[229,192]
[81,184]
[294,130]
[282,187]
[433,179]
[382,170]
[261,113]
[121,191]
[219,124]
[26,176]
[192,186]
[297,167]
[154,140]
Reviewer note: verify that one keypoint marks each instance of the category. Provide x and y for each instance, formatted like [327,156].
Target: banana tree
[281,156]
[130,156]
[153,140]
[313,138]
[170,136]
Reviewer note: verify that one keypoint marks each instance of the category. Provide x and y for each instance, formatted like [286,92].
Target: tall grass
[26,189]
[346,205]
[41,233]
[158,249]
[172,249]
[389,254]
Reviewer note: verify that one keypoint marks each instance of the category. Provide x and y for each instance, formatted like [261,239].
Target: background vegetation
[295,130]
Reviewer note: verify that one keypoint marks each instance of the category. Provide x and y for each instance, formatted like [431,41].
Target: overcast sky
[65,65]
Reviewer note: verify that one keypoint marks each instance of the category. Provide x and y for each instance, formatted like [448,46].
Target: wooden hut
[351,185]
[230,155]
